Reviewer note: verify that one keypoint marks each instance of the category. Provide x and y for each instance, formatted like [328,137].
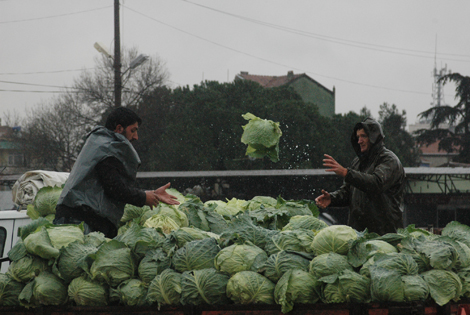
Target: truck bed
[428,308]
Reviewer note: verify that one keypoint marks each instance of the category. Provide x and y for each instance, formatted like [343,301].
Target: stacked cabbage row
[264,250]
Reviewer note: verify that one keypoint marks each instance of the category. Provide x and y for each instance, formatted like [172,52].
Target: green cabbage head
[350,287]
[262,137]
[236,258]
[10,289]
[165,288]
[86,292]
[45,289]
[334,238]
[327,265]
[166,224]
[249,287]
[281,262]
[46,200]
[204,286]
[132,292]
[113,263]
[196,255]
[26,268]
[296,286]
[444,285]
[308,222]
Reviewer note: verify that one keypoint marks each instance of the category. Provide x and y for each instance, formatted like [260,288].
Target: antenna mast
[437,90]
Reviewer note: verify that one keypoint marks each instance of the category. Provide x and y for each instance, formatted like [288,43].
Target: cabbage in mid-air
[262,137]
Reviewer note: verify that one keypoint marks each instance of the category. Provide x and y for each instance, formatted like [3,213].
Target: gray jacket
[374,187]
[82,186]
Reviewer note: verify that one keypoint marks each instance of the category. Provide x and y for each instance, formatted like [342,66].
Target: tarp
[26,187]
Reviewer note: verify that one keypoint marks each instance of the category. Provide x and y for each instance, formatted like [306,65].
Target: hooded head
[374,132]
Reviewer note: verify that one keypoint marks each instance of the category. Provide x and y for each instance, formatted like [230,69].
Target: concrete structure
[309,90]
[434,196]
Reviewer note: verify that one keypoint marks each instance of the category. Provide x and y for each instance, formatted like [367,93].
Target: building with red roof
[309,90]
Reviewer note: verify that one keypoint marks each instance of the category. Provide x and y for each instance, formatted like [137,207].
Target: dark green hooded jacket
[374,187]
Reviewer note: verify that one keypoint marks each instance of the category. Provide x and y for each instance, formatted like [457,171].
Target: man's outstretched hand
[323,200]
[333,166]
[165,197]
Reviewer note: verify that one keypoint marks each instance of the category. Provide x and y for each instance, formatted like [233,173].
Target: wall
[317,94]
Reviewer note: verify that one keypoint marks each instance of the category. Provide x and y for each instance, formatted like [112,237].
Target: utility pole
[117,57]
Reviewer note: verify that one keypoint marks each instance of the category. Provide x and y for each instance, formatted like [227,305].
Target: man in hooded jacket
[374,184]
[102,180]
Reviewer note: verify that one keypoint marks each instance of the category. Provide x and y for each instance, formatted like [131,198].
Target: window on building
[3,238]
[15,159]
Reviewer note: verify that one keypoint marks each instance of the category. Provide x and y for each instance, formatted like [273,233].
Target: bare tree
[95,89]
[54,132]
[11,119]
[52,135]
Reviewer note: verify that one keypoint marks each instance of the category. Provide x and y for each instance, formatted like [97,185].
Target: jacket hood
[101,130]
[373,130]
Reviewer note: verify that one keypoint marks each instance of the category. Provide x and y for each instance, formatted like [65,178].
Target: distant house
[309,90]
[11,158]
[430,155]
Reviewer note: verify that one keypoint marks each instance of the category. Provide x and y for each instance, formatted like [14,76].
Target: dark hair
[122,116]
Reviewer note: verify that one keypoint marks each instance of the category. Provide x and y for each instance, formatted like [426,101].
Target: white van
[10,222]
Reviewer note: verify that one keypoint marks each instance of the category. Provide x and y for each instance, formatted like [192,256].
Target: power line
[55,16]
[26,91]
[282,28]
[32,84]
[336,40]
[273,62]
[43,72]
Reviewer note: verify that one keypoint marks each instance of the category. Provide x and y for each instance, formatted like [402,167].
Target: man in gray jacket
[374,184]
[102,180]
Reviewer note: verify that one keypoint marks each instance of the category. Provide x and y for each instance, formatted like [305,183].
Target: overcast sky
[371,51]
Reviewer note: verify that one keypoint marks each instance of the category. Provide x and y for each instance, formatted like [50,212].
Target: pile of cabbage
[263,250]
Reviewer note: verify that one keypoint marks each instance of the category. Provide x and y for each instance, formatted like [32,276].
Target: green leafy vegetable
[132,292]
[26,268]
[326,267]
[444,285]
[249,287]
[334,238]
[86,292]
[45,289]
[196,255]
[72,261]
[236,258]
[262,137]
[277,264]
[296,286]
[113,263]
[46,199]
[154,263]
[165,288]
[204,286]
[9,290]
